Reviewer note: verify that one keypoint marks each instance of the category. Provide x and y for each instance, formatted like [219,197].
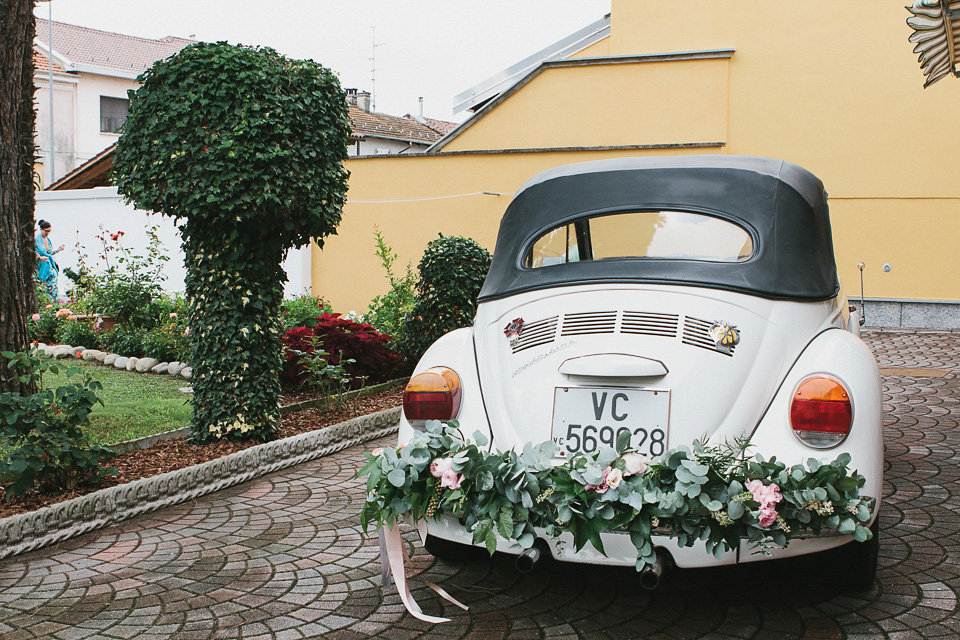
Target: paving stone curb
[51,525]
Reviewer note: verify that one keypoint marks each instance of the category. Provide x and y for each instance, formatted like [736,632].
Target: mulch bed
[176,453]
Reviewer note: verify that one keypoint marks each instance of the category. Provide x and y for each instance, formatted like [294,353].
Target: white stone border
[51,525]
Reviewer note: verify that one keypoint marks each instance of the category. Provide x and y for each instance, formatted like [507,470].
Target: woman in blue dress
[47,269]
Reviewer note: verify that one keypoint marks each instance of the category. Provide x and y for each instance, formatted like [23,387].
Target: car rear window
[662,235]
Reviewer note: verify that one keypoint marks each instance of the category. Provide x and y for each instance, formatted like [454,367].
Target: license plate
[585,419]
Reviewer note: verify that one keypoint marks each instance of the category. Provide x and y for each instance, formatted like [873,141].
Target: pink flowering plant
[715,493]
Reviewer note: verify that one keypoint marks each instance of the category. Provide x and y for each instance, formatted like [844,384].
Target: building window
[113,113]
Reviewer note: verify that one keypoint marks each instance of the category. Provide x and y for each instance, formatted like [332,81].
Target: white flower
[634,463]
[612,477]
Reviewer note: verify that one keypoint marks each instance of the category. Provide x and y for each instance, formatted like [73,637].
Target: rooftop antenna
[373,68]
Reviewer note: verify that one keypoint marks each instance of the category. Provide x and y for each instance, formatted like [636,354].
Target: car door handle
[613,365]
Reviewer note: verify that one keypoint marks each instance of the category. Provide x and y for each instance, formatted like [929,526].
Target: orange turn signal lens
[433,394]
[821,412]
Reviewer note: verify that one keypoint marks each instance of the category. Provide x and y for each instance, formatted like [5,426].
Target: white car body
[635,337]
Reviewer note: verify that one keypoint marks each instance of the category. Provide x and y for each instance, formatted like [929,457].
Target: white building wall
[90,141]
[64,122]
[371,146]
[78,215]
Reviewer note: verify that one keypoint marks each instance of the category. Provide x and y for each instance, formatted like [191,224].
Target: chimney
[351,97]
[363,100]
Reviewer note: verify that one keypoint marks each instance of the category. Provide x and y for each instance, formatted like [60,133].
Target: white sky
[430,48]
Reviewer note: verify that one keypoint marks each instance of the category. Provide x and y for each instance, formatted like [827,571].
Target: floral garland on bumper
[714,493]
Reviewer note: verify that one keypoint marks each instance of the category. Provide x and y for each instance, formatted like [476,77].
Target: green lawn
[135,404]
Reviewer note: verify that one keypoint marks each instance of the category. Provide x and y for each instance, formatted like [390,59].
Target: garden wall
[77,215]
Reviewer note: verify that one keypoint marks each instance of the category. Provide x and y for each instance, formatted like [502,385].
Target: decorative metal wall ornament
[725,335]
[513,329]
[936,34]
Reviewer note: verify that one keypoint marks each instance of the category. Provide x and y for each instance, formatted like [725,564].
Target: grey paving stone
[283,555]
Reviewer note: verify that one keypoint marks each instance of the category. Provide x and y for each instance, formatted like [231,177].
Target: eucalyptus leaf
[397,477]
[712,505]
[735,510]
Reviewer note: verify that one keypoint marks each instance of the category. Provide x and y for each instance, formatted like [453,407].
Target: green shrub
[451,273]
[244,148]
[166,343]
[302,311]
[386,312]
[330,380]
[130,288]
[78,333]
[126,341]
[42,444]
[122,297]
[43,325]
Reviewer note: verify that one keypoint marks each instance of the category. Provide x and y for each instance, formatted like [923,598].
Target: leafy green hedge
[452,271]
[243,147]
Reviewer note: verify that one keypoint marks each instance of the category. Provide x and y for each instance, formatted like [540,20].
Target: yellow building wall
[408,198]
[917,237]
[38,175]
[836,88]
[832,86]
[609,105]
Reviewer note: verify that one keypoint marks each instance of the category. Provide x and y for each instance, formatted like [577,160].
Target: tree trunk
[17,254]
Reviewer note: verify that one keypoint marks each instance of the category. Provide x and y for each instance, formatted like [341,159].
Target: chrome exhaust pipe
[651,574]
[528,559]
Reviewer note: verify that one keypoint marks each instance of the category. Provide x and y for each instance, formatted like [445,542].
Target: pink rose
[173,315]
[451,479]
[764,494]
[612,477]
[49,306]
[36,317]
[768,515]
[440,466]
[599,488]
[635,463]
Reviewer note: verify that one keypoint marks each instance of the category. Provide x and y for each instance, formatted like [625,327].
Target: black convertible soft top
[783,207]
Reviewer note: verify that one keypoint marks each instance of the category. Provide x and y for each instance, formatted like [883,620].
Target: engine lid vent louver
[650,324]
[696,333]
[536,334]
[577,324]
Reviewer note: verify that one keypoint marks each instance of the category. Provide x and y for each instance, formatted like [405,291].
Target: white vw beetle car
[674,297]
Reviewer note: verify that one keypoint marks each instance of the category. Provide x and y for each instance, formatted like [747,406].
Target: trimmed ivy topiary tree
[245,149]
[452,271]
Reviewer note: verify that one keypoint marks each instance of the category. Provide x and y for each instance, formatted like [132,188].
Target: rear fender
[456,351]
[844,356]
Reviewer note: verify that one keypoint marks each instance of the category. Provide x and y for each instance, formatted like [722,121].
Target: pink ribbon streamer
[392,556]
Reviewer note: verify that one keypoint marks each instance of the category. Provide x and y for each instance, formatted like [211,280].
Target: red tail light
[432,395]
[821,413]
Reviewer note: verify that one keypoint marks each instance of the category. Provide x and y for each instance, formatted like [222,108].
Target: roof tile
[381,125]
[105,49]
[41,64]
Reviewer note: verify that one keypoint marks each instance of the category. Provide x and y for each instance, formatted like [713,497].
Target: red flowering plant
[345,341]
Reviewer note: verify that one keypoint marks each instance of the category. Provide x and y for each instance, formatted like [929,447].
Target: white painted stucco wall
[78,215]
[90,141]
[64,122]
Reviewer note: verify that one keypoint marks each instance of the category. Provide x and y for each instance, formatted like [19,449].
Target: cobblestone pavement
[284,557]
